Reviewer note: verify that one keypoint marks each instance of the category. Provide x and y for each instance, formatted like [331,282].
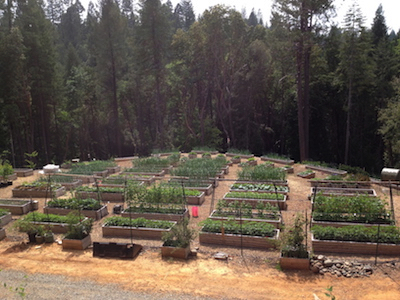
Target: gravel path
[44,286]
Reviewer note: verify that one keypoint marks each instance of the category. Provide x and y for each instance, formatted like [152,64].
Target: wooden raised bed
[18,207]
[33,193]
[157,216]
[175,252]
[245,156]
[71,185]
[103,173]
[196,200]
[281,203]
[326,170]
[236,240]
[140,232]
[340,184]
[109,197]
[94,214]
[329,246]
[288,162]
[2,233]
[342,224]
[225,169]
[4,220]
[306,175]
[343,191]
[276,223]
[71,244]
[114,170]
[147,180]
[22,172]
[9,177]
[158,174]
[294,263]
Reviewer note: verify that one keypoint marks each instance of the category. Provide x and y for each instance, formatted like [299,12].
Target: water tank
[390,174]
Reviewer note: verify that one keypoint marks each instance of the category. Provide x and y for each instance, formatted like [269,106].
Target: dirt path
[253,276]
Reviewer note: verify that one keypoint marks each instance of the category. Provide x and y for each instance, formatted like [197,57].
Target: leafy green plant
[75,203]
[292,240]
[255,195]
[306,172]
[260,173]
[78,228]
[360,208]
[139,222]
[246,228]
[263,187]
[30,159]
[180,235]
[3,212]
[358,233]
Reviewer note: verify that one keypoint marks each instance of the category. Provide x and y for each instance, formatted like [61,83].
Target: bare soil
[247,274]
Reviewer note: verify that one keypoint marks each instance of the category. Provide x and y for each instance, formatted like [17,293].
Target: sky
[391,9]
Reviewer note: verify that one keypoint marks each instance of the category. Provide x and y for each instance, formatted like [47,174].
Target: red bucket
[195,211]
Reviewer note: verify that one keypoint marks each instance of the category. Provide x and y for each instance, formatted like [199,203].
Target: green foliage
[292,240]
[78,227]
[255,195]
[30,159]
[75,203]
[88,168]
[246,228]
[361,208]
[262,187]
[180,235]
[5,170]
[199,168]
[358,233]
[3,212]
[139,222]
[239,209]
[261,172]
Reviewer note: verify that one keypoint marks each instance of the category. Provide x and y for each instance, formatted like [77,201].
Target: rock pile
[323,265]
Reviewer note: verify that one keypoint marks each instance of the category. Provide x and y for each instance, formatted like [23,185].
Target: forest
[124,78]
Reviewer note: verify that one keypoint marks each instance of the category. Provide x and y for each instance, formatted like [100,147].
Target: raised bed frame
[340,184]
[157,216]
[71,244]
[105,197]
[343,224]
[94,214]
[236,240]
[26,193]
[23,172]
[2,233]
[329,246]
[26,206]
[10,177]
[281,203]
[326,170]
[4,220]
[288,162]
[276,223]
[343,191]
[140,232]
[196,200]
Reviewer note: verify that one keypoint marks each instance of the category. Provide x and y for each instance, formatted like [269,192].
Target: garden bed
[25,192]
[342,224]
[104,196]
[254,201]
[340,184]
[5,219]
[18,207]
[329,246]
[94,214]
[73,244]
[343,191]
[275,222]
[289,162]
[175,252]
[2,233]
[9,177]
[196,200]
[156,216]
[127,232]
[22,172]
[245,186]
[326,170]
[356,240]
